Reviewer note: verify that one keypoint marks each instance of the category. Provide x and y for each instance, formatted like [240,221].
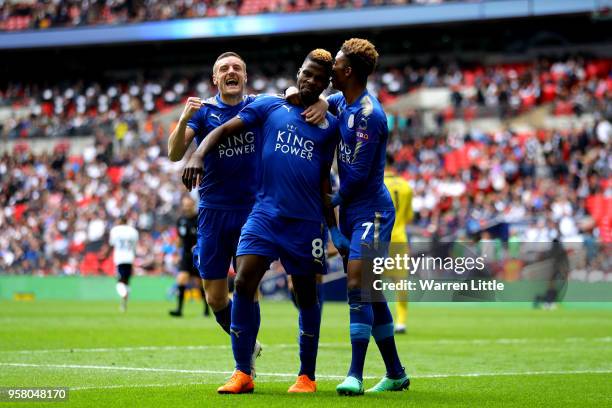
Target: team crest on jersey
[363,123]
[351,121]
[323,125]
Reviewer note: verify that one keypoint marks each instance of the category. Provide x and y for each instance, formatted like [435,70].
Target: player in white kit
[123,239]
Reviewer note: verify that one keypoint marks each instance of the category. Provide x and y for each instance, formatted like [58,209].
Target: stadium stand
[485,138]
[23,15]
[572,86]
[550,183]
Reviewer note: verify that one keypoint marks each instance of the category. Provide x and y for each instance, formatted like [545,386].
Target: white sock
[122,289]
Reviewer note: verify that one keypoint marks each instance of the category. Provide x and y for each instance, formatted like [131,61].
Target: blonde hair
[323,58]
[363,56]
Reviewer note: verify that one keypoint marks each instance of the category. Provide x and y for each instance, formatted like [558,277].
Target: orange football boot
[239,383]
[303,384]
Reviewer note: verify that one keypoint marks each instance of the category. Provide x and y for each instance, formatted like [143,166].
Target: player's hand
[193,172]
[342,243]
[192,105]
[333,200]
[315,113]
[292,95]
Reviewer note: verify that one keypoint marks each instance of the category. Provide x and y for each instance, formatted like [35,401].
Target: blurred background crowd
[18,15]
[525,142]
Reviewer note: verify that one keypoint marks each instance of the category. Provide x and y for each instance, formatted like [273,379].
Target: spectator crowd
[572,86]
[56,208]
[18,15]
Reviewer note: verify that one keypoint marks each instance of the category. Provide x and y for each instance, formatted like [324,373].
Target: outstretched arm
[194,170]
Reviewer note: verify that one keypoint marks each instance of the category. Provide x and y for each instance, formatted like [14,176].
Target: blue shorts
[299,244]
[218,235]
[369,233]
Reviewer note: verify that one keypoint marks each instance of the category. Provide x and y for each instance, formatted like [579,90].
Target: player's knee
[306,300]
[217,301]
[305,290]
[353,283]
[244,287]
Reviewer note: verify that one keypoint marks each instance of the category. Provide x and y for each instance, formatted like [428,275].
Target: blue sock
[242,332]
[256,321]
[224,317]
[361,318]
[382,330]
[310,325]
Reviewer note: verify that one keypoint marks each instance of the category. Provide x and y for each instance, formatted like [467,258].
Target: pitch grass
[456,355]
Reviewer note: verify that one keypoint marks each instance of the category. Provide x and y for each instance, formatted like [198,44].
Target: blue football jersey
[295,154]
[230,170]
[361,153]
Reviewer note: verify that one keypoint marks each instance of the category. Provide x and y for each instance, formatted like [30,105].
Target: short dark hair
[362,55]
[228,54]
[323,58]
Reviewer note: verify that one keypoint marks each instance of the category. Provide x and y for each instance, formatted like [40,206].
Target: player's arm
[194,170]
[111,237]
[368,139]
[183,134]
[341,243]
[111,244]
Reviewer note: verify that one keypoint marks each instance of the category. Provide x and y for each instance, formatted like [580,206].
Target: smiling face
[340,71]
[229,75]
[312,81]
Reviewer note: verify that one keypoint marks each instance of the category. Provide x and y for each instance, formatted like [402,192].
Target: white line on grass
[290,375]
[153,369]
[322,345]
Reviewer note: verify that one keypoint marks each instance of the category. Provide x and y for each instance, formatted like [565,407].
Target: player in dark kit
[287,218]
[187,228]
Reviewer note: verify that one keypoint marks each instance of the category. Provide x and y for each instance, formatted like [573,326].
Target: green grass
[456,355]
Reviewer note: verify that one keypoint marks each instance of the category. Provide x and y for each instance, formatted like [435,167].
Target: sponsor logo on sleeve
[362,135]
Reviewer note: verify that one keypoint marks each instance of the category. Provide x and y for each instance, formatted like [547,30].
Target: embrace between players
[262,167]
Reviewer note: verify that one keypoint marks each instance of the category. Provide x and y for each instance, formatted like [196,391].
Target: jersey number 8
[317,248]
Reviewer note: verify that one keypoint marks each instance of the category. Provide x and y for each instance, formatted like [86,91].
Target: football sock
[181,298]
[224,317]
[256,322]
[241,331]
[361,319]
[122,289]
[310,325]
[382,331]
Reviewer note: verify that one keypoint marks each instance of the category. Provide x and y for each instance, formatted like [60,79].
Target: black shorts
[187,265]
[124,272]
